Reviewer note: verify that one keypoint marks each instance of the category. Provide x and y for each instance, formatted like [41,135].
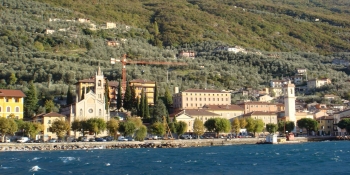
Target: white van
[22,139]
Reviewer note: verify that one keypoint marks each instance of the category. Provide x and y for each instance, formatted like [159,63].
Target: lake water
[307,158]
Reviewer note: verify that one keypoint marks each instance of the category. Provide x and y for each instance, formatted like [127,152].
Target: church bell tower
[289,102]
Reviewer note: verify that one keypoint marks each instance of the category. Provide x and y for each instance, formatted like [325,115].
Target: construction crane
[126,62]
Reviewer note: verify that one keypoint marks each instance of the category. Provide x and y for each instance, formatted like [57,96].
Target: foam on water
[67,159]
[35,168]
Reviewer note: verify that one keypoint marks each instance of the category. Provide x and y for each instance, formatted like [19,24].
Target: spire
[99,69]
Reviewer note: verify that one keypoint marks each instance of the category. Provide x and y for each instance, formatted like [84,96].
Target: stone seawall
[136,144]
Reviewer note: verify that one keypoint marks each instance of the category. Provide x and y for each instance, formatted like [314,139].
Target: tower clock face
[90,110]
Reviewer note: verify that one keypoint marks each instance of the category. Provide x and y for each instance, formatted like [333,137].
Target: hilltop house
[316,83]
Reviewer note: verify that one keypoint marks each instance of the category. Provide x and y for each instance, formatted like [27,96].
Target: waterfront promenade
[144,144]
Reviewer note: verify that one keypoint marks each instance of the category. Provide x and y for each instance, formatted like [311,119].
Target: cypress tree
[146,107]
[119,97]
[127,98]
[142,105]
[155,95]
[138,106]
[31,101]
[69,99]
[168,98]
[107,95]
[133,97]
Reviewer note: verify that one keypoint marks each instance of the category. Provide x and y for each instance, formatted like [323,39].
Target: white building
[289,101]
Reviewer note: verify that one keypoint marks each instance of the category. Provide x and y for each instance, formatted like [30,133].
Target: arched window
[17,109]
[8,109]
[99,83]
[0,109]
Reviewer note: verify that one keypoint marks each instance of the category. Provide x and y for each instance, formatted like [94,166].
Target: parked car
[83,139]
[91,140]
[39,141]
[22,140]
[109,138]
[52,140]
[100,140]
[6,139]
[185,137]
[130,139]
[122,138]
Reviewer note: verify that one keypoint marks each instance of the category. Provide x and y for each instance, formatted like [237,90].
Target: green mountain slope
[272,25]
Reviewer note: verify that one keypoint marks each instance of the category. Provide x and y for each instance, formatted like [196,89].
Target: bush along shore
[144,144]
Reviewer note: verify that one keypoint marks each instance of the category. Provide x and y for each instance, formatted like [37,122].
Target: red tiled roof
[141,81]
[204,91]
[224,107]
[51,114]
[256,103]
[259,113]
[11,93]
[196,112]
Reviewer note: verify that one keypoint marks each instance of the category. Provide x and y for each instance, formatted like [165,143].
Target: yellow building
[11,103]
[47,120]
[325,125]
[147,86]
[197,98]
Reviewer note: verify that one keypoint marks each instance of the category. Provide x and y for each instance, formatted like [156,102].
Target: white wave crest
[67,159]
[35,168]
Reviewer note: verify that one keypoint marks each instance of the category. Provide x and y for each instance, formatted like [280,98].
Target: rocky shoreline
[136,144]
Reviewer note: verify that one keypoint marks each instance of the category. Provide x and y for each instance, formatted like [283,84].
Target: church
[90,100]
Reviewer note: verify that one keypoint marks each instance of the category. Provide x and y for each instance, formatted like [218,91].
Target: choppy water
[307,158]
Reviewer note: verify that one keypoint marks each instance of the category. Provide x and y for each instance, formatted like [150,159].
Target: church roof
[224,107]
[204,91]
[259,113]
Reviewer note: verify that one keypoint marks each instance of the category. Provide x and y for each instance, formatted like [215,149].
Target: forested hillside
[158,30]
[273,25]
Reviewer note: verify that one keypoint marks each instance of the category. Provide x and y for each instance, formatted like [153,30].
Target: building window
[17,109]
[100,112]
[81,112]
[49,122]
[218,99]
[99,82]
[7,100]
[17,117]
[213,99]
[47,129]
[8,109]
[0,109]
[17,100]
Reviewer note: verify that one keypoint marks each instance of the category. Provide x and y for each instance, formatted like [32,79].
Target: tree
[69,99]
[76,126]
[254,125]
[168,98]
[4,127]
[31,101]
[307,123]
[218,125]
[96,125]
[142,105]
[112,127]
[242,122]
[119,96]
[60,127]
[134,97]
[271,128]
[107,99]
[159,111]
[198,127]
[127,128]
[33,128]
[146,107]
[127,98]
[49,106]
[344,124]
[236,126]
[284,126]
[141,133]
[181,128]
[155,94]
[158,128]
[136,120]
[12,79]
